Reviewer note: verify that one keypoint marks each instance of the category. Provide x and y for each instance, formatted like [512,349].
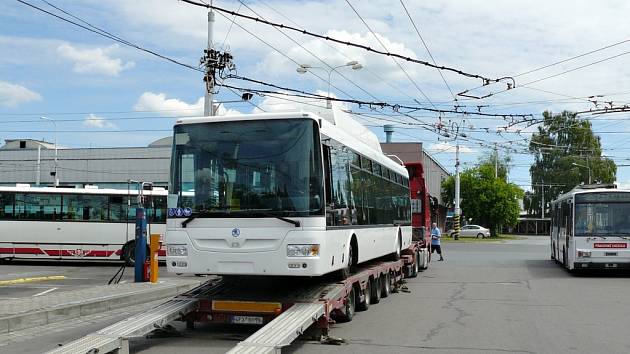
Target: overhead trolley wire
[305,94]
[348,43]
[394,59]
[329,45]
[427,48]
[106,34]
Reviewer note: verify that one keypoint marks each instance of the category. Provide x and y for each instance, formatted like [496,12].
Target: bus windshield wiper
[266,213]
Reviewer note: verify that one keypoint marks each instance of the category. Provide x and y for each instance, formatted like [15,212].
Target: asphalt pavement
[22,278]
[485,298]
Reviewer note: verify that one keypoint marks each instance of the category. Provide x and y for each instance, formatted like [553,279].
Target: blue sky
[92,86]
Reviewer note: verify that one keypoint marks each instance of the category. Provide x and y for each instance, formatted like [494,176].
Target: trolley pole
[457,209]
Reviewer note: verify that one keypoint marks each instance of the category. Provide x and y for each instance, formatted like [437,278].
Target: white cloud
[95,121]
[279,65]
[94,61]
[150,101]
[448,147]
[173,107]
[11,95]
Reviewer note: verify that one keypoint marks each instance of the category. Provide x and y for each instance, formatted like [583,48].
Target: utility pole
[208,110]
[457,209]
[542,197]
[54,174]
[214,63]
[542,189]
[496,161]
[39,159]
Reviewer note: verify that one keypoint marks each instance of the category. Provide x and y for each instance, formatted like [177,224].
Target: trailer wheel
[425,260]
[385,285]
[347,314]
[416,267]
[367,297]
[376,290]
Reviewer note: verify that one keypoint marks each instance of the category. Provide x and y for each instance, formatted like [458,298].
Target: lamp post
[587,167]
[55,124]
[304,68]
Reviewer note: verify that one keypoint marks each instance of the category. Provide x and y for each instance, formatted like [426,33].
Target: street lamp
[587,167]
[304,68]
[55,124]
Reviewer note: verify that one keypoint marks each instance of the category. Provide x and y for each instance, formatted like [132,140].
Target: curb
[62,312]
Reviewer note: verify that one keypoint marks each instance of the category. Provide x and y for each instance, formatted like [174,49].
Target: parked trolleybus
[590,228]
[69,223]
[291,194]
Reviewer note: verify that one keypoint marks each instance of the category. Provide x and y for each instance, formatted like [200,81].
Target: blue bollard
[141,244]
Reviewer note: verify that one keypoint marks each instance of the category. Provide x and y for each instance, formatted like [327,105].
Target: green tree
[489,201]
[565,149]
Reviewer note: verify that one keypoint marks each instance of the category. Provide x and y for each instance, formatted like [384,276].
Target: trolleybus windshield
[248,168]
[602,214]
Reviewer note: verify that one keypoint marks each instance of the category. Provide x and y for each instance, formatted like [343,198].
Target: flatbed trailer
[284,307]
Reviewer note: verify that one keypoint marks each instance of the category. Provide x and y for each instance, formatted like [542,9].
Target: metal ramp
[115,337]
[283,330]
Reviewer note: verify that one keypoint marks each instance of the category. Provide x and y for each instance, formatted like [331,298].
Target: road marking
[45,292]
[31,280]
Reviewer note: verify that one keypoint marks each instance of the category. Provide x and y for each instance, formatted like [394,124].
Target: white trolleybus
[74,223]
[289,194]
[590,228]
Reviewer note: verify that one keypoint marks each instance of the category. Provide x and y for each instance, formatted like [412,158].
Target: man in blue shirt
[436,234]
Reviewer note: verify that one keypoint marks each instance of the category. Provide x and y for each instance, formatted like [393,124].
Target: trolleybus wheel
[377,290]
[385,285]
[345,272]
[347,314]
[396,255]
[364,305]
[564,258]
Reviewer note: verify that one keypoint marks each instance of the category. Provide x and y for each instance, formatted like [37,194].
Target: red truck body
[420,207]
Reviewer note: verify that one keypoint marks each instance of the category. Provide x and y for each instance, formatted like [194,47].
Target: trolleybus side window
[35,206]
[6,205]
[343,210]
[362,197]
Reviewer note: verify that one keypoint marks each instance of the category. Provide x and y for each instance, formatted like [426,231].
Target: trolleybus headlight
[584,254]
[302,250]
[176,250]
